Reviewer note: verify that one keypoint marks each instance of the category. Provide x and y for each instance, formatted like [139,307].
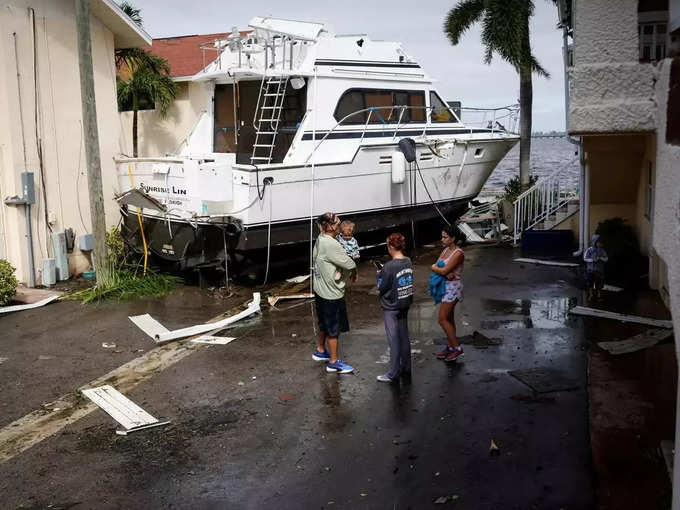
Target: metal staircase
[546,204]
[268,117]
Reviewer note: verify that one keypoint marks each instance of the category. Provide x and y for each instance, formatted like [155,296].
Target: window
[649,205]
[385,102]
[652,38]
[440,112]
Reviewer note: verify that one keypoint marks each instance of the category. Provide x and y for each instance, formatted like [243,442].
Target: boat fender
[398,167]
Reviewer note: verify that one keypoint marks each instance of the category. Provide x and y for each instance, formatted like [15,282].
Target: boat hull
[194,245]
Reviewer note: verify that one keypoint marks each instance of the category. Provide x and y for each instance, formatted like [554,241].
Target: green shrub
[620,242]
[117,248]
[513,188]
[8,282]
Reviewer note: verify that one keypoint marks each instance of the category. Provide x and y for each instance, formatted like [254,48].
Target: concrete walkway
[258,424]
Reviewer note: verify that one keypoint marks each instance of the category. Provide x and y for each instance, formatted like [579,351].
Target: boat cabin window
[440,112]
[385,102]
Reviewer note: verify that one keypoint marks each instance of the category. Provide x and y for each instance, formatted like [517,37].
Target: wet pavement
[258,424]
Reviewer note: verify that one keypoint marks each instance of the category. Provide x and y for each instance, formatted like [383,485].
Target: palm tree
[505,31]
[143,79]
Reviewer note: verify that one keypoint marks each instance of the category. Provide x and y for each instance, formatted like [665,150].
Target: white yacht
[306,121]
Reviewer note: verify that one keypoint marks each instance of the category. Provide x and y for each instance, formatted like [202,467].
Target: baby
[347,241]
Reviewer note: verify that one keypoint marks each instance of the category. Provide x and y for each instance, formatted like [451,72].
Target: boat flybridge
[304,121]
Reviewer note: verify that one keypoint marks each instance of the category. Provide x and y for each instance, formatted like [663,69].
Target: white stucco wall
[158,137]
[59,125]
[610,90]
[666,237]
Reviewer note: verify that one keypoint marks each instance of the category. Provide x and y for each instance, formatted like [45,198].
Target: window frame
[455,120]
[364,90]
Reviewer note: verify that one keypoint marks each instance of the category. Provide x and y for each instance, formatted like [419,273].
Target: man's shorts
[332,315]
[594,279]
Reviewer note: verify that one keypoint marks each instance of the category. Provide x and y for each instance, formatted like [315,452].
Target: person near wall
[450,266]
[329,258]
[395,286]
[595,258]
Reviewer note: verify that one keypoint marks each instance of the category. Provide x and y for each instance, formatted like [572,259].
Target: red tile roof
[184,53]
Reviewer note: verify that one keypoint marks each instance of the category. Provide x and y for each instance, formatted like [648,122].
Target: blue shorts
[332,315]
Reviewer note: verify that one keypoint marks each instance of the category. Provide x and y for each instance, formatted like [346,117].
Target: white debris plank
[547,262]
[611,288]
[149,325]
[298,279]
[275,299]
[19,308]
[119,407]
[470,234]
[637,342]
[604,314]
[253,307]
[213,340]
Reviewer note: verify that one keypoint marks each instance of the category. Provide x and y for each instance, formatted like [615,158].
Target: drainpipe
[575,141]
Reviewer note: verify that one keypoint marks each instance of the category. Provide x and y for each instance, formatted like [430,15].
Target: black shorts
[594,279]
[332,315]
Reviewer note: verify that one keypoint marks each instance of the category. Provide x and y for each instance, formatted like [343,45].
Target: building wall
[610,90]
[157,136]
[59,125]
[667,222]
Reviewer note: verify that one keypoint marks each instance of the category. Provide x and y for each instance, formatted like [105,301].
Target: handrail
[543,199]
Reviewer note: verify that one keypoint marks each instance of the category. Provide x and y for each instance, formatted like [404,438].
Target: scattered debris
[520,397]
[544,380]
[639,342]
[275,299]
[123,410]
[494,449]
[481,341]
[547,262]
[241,383]
[442,500]
[612,288]
[285,397]
[604,314]
[2,360]
[160,334]
[397,443]
[45,357]
[298,279]
[19,308]
[57,405]
[213,340]
[108,345]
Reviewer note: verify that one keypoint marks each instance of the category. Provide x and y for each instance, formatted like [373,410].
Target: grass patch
[126,281]
[128,284]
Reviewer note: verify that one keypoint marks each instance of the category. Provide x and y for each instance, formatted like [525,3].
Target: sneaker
[385,378]
[339,367]
[321,356]
[455,354]
[445,352]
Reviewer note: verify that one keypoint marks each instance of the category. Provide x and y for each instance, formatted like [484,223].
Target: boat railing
[392,122]
[543,199]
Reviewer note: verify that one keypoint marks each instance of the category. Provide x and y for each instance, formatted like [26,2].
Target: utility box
[28,187]
[86,242]
[49,272]
[60,257]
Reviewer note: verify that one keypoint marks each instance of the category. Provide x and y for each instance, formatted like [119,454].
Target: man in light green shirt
[332,268]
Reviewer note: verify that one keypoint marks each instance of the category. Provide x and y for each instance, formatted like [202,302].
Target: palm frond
[133,13]
[461,18]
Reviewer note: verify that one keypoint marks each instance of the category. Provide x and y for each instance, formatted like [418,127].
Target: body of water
[547,156]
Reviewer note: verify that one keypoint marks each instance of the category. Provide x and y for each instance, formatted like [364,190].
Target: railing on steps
[542,200]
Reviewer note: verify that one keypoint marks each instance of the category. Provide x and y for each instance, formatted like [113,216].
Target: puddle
[525,313]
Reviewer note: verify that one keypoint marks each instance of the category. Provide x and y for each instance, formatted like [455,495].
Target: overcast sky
[460,69]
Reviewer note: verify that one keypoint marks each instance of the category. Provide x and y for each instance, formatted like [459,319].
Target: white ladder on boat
[267,118]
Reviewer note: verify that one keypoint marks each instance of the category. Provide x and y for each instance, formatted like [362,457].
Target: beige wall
[158,137]
[618,181]
[59,125]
